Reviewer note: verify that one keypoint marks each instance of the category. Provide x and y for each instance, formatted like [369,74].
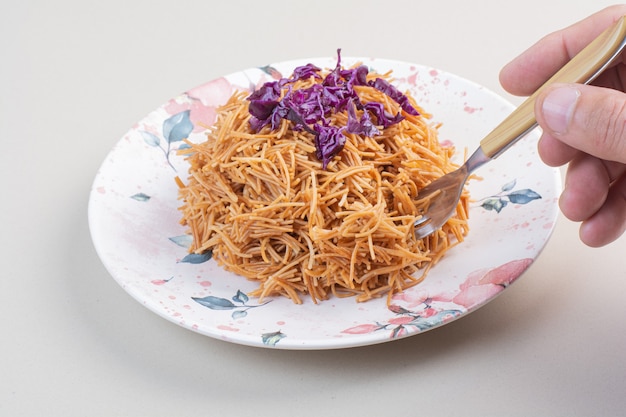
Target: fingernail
[558,108]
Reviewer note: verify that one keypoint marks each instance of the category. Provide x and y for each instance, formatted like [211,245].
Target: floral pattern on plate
[134,221]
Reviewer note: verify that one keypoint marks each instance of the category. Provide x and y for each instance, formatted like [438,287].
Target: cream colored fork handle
[583,68]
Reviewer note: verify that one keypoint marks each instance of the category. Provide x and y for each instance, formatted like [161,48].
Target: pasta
[269,210]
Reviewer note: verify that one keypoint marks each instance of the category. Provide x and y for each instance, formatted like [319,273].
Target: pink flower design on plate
[406,321]
[212,94]
[419,310]
[484,284]
[203,103]
[412,299]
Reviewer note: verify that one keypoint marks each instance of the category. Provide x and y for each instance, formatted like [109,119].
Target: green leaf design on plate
[509,185]
[271,339]
[215,303]
[177,127]
[496,204]
[140,197]
[241,297]
[184,241]
[524,196]
[499,201]
[197,258]
[150,138]
[239,314]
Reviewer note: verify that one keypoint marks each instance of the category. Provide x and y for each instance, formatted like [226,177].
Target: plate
[134,223]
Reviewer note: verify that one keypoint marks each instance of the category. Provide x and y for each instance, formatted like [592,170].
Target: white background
[75,76]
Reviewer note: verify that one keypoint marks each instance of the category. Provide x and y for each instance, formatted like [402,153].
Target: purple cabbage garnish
[383,117]
[306,71]
[329,141]
[393,93]
[310,108]
[363,126]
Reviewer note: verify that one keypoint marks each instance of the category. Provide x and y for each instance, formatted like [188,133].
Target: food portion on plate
[135,209]
[309,186]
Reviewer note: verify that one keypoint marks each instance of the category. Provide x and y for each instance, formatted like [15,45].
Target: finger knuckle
[609,126]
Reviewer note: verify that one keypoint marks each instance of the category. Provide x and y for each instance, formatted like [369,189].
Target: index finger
[526,73]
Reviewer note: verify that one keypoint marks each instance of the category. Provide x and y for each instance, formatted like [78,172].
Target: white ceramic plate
[135,227]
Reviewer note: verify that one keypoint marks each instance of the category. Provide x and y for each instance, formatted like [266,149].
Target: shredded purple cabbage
[310,108]
[393,93]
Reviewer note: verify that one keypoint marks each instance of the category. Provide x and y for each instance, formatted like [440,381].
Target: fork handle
[582,68]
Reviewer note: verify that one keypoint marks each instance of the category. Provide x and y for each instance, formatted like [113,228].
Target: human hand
[583,125]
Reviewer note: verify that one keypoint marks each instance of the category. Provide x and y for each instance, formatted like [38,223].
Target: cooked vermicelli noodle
[266,207]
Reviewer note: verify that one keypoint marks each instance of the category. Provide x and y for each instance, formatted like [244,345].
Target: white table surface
[77,75]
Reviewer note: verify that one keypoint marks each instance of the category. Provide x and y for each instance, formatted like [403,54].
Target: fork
[445,192]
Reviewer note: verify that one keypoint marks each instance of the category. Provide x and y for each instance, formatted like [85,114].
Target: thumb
[591,119]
